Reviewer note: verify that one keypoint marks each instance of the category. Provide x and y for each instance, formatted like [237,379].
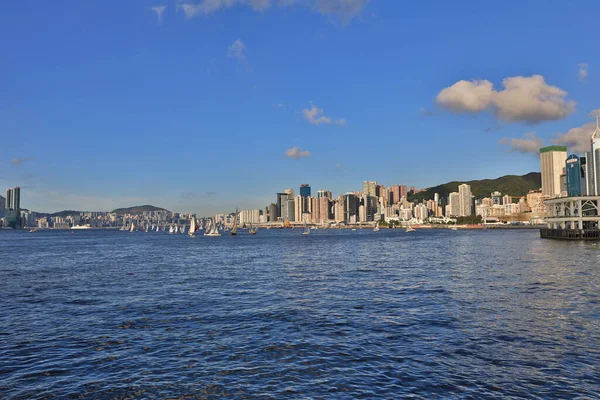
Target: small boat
[376,229]
[235,223]
[182,229]
[171,230]
[453,227]
[409,228]
[146,228]
[212,229]
[123,228]
[132,227]
[306,229]
[157,228]
[252,230]
[33,230]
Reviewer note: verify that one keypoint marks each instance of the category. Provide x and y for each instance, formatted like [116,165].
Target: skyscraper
[552,160]
[369,188]
[305,190]
[13,207]
[2,206]
[464,193]
[281,198]
[573,172]
[592,169]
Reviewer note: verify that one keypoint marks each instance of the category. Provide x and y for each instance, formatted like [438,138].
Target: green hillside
[513,185]
[137,209]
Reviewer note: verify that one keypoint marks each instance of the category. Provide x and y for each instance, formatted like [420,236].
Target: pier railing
[570,234]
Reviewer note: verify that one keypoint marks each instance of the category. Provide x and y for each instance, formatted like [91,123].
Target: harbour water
[335,314]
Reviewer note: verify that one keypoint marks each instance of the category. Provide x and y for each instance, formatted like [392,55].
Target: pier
[570,234]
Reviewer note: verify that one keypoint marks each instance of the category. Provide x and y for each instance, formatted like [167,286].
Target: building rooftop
[553,148]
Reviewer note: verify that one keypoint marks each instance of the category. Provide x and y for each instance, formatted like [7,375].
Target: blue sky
[108,103]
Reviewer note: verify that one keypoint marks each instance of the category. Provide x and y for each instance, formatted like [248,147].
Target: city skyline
[200,109]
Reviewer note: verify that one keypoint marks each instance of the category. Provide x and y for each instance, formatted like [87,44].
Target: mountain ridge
[513,185]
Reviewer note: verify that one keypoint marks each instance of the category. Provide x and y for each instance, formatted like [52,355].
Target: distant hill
[63,213]
[137,209]
[513,185]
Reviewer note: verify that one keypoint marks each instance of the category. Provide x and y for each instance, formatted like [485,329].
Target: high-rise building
[272,214]
[351,205]
[2,206]
[496,198]
[305,190]
[573,173]
[369,188]
[436,198]
[324,209]
[13,208]
[290,193]
[324,193]
[552,161]
[591,168]
[464,192]
[281,198]
[288,210]
[453,208]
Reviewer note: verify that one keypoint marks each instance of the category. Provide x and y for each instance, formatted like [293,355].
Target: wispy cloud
[523,99]
[578,139]
[426,113]
[529,143]
[159,10]
[315,116]
[279,105]
[344,10]
[237,50]
[18,162]
[296,152]
[583,72]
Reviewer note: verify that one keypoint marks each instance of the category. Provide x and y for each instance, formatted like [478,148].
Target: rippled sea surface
[334,314]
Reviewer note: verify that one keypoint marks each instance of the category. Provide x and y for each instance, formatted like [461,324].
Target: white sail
[192,230]
[132,227]
[376,229]
[171,229]
[306,229]
[156,228]
[212,229]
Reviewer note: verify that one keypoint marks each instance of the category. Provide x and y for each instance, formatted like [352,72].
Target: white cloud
[524,99]
[236,50]
[315,116]
[17,162]
[529,143]
[159,10]
[345,10]
[578,139]
[583,72]
[296,152]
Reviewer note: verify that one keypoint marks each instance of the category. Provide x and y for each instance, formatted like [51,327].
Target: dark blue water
[337,314]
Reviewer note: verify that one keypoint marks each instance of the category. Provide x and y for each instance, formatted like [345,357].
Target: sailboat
[453,227]
[123,228]
[146,228]
[306,229]
[409,228]
[252,230]
[376,229]
[212,229]
[193,228]
[235,223]
[132,227]
[156,228]
[171,230]
[182,229]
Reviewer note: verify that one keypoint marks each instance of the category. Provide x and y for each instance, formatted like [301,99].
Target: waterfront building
[324,209]
[13,208]
[552,161]
[592,165]
[465,201]
[2,206]
[351,204]
[338,209]
[496,198]
[288,210]
[315,210]
[506,199]
[290,193]
[281,198]
[453,208]
[272,214]
[573,174]
[421,212]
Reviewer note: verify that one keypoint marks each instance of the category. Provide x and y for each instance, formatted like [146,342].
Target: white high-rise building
[552,160]
[464,193]
[453,208]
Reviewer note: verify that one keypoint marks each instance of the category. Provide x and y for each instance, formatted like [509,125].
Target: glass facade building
[573,172]
[305,190]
